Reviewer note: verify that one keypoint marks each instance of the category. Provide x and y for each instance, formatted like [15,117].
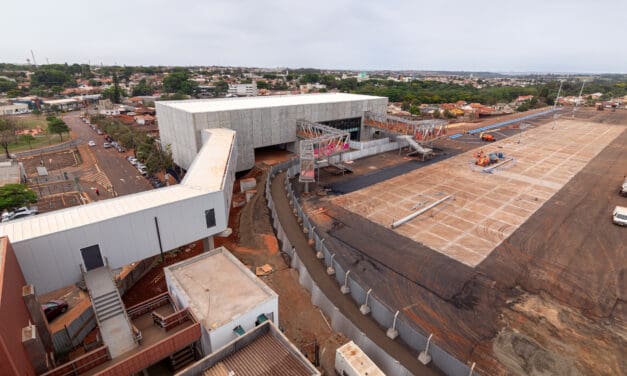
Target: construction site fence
[380,311]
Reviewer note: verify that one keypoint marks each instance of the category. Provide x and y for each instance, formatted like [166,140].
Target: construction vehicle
[487,137]
[483,159]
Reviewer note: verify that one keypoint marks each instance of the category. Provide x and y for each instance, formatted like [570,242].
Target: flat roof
[219,287]
[206,175]
[360,362]
[247,103]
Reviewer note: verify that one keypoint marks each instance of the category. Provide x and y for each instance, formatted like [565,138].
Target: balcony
[160,331]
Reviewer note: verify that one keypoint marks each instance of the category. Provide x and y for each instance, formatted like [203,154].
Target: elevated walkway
[115,327]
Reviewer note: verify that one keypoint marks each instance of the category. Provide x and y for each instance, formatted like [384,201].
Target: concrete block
[364,309]
[247,184]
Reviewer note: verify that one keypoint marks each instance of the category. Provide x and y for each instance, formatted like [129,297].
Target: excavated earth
[549,300]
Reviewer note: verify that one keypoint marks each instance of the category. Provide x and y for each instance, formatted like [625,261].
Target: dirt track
[551,299]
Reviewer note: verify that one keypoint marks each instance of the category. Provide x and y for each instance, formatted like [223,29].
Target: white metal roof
[230,104]
[204,176]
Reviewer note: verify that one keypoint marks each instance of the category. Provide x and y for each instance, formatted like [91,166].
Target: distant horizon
[543,37]
[504,72]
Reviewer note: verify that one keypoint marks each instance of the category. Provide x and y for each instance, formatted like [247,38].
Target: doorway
[92,257]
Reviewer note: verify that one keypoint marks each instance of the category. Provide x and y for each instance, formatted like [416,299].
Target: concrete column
[207,244]
[34,348]
[37,316]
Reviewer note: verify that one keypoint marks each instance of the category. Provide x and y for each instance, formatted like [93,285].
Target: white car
[619,216]
[142,170]
[91,143]
[132,160]
[19,213]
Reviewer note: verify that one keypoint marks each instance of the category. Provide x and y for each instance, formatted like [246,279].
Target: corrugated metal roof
[265,356]
[230,104]
[204,176]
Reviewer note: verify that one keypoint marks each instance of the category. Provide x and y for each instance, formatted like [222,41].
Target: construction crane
[555,116]
[33,55]
[579,97]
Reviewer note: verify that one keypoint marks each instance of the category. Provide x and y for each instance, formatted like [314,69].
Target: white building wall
[53,261]
[225,334]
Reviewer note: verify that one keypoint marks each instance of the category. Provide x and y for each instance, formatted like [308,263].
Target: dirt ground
[153,282]
[550,299]
[253,242]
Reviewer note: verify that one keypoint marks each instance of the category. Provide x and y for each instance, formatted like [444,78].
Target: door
[92,257]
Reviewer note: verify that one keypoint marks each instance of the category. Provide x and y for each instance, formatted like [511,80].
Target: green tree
[49,77]
[8,129]
[142,88]
[15,195]
[58,126]
[28,138]
[261,84]
[116,89]
[221,88]
[178,82]
[7,85]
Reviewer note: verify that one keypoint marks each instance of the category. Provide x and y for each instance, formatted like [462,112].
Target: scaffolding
[422,131]
[318,142]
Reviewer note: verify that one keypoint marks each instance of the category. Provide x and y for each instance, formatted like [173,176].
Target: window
[239,330]
[210,217]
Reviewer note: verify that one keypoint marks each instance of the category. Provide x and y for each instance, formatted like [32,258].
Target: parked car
[155,182]
[142,170]
[113,143]
[106,145]
[619,216]
[109,139]
[19,213]
[99,131]
[132,160]
[91,143]
[54,308]
[120,149]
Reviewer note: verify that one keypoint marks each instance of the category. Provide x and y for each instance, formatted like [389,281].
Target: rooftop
[218,286]
[247,103]
[359,360]
[205,175]
[262,351]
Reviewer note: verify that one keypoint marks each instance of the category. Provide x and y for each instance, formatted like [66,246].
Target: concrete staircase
[115,327]
[416,146]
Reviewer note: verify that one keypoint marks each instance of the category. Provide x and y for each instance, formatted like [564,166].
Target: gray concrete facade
[258,121]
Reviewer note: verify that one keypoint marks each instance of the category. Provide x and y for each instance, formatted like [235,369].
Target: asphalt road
[123,176]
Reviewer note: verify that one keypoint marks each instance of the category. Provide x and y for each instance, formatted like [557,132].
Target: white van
[619,216]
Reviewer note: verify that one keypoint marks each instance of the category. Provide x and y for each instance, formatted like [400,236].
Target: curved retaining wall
[381,313]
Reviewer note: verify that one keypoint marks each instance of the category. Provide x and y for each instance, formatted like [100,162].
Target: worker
[97,192]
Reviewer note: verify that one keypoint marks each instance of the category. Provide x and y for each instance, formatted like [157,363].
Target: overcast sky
[480,35]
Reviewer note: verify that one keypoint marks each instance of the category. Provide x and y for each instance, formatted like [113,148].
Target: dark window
[210,217]
[353,126]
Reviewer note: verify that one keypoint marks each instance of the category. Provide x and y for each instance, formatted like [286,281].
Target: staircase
[182,358]
[107,306]
[416,146]
[115,327]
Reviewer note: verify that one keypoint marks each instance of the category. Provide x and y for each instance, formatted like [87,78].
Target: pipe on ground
[421,211]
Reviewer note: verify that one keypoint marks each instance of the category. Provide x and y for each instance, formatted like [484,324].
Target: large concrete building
[259,121]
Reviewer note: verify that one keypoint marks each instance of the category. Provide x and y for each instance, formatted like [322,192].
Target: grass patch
[40,141]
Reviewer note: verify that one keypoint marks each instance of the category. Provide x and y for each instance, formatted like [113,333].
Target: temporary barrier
[379,310]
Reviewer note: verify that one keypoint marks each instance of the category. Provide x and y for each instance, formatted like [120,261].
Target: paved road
[123,176]
[330,288]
